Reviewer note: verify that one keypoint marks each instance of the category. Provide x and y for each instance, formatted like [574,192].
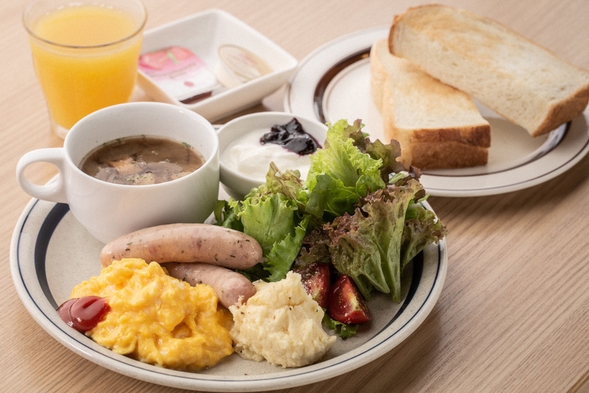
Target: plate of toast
[467,105]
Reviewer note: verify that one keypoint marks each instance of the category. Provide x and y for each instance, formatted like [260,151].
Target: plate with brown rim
[333,83]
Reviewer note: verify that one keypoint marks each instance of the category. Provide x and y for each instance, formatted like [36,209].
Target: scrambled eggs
[158,319]
[280,323]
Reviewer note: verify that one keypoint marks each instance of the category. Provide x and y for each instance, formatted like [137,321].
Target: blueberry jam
[292,137]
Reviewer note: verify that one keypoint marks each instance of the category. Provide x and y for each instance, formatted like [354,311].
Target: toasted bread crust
[564,111]
[449,155]
[479,136]
[442,148]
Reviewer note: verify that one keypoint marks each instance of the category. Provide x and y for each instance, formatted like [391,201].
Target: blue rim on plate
[45,227]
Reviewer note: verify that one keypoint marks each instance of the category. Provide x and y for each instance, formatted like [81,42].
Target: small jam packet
[180,73]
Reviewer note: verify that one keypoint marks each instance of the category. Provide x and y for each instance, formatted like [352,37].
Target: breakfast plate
[333,82]
[51,253]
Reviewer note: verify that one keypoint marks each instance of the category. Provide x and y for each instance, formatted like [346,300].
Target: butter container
[237,66]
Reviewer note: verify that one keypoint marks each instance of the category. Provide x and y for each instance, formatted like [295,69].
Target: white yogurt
[248,157]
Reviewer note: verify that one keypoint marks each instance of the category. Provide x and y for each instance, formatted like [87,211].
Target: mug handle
[54,190]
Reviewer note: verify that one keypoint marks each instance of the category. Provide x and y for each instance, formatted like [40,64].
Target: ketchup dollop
[292,137]
[83,314]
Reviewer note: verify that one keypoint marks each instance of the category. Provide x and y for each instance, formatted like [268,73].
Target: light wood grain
[514,312]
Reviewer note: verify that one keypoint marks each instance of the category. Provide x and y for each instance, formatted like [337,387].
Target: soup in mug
[141,160]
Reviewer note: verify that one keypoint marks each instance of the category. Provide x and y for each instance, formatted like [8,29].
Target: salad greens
[357,209]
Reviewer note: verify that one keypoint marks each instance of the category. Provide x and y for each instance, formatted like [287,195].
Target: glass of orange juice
[85,54]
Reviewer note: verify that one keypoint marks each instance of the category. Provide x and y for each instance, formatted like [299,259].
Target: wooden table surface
[514,312]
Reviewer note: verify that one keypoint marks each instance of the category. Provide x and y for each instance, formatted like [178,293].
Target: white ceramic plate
[333,83]
[51,253]
[203,33]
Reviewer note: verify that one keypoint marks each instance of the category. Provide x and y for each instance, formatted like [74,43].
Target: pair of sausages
[195,253]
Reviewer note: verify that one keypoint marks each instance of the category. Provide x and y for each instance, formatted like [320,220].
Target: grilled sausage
[186,243]
[229,286]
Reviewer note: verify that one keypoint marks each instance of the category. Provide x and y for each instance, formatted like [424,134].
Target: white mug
[109,210]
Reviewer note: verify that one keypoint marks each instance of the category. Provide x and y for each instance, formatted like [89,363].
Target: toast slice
[437,125]
[523,82]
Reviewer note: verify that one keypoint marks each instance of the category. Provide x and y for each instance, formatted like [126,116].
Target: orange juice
[85,58]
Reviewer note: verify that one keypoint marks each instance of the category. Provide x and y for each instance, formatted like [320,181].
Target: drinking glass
[85,54]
